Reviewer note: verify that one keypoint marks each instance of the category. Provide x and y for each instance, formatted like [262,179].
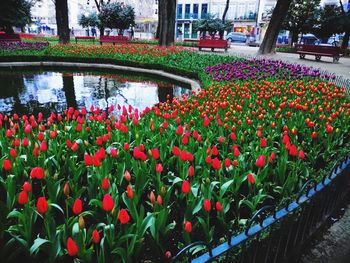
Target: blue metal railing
[300,219]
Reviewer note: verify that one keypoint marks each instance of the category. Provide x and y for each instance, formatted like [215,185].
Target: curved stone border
[195,86]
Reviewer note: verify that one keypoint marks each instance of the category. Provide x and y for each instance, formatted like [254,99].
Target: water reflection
[28,92]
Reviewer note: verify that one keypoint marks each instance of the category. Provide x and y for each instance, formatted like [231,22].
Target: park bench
[114,39]
[84,37]
[212,43]
[10,38]
[318,51]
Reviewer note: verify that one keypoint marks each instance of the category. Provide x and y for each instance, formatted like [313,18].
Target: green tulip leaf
[37,244]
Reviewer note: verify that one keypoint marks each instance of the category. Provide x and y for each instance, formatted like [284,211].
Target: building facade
[247,16]
[44,18]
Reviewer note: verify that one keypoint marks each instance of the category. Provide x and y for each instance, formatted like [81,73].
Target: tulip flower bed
[131,185]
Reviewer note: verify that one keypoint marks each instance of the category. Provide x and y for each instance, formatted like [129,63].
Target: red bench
[84,37]
[114,39]
[10,38]
[212,43]
[318,51]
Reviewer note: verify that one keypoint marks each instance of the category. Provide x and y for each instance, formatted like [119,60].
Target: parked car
[309,39]
[336,40]
[236,37]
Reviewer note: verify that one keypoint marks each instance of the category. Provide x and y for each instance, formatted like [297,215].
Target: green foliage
[328,22]
[301,17]
[211,25]
[117,15]
[14,13]
[89,20]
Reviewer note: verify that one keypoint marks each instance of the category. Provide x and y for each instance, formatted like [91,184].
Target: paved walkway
[341,68]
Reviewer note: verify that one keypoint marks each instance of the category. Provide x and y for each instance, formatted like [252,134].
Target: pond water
[29,91]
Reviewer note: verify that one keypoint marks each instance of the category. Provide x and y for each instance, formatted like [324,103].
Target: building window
[187,11]
[204,10]
[156,2]
[195,11]
[156,11]
[179,11]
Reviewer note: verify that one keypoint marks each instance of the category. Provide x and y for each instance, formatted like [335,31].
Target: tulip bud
[66,189]
[159,200]
[152,197]
[81,222]
[127,175]
[163,190]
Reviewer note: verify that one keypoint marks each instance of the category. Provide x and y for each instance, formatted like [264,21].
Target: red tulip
[218,206]
[113,152]
[216,164]
[126,146]
[183,155]
[301,154]
[236,151]
[74,147]
[186,187]
[127,175]
[190,171]
[37,173]
[77,206]
[188,227]
[159,168]
[23,198]
[260,162]
[40,136]
[263,143]
[155,153]
[43,146]
[72,247]
[272,157]
[13,153]
[9,133]
[159,200]
[227,162]
[206,121]
[124,217]
[179,130]
[293,150]
[314,135]
[27,187]
[176,151]
[107,203]
[88,160]
[168,254]
[42,206]
[7,165]
[25,142]
[105,184]
[95,237]
[207,205]
[251,179]
[129,192]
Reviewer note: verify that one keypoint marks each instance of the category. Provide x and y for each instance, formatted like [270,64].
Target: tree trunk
[167,23]
[294,37]
[62,21]
[8,29]
[102,30]
[224,17]
[279,13]
[345,40]
[159,21]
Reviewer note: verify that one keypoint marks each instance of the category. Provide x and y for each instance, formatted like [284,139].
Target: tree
[89,20]
[328,22]
[224,17]
[344,23]
[301,17]
[14,13]
[117,15]
[62,21]
[99,4]
[279,13]
[211,25]
[166,23]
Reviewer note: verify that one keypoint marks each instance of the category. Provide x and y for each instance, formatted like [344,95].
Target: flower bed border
[289,229]
[108,64]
